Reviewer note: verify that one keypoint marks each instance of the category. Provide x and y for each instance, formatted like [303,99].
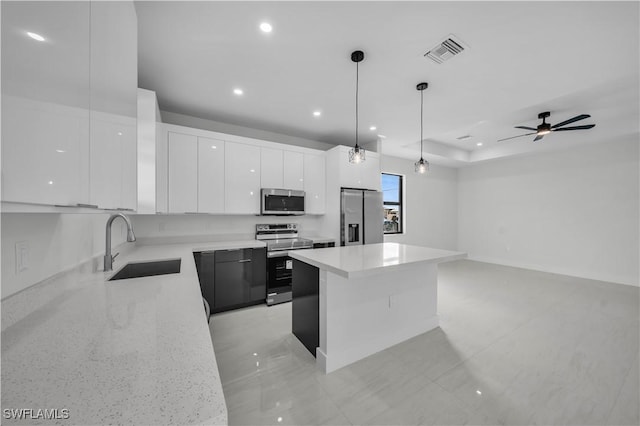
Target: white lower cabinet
[314,183]
[182,187]
[211,170]
[293,170]
[242,178]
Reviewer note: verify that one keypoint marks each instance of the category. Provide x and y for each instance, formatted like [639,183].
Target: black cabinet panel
[232,279]
[306,305]
[258,290]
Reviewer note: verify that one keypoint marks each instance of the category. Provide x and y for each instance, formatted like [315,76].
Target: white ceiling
[522,58]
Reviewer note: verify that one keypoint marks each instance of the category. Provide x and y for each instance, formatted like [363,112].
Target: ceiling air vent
[446,50]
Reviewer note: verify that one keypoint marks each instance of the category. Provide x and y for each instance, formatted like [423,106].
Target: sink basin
[147,269]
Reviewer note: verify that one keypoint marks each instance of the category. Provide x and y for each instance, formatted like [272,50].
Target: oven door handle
[281,253]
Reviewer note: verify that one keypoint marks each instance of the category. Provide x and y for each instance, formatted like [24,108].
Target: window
[392,200]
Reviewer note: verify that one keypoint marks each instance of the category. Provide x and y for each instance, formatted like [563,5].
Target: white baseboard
[561,271]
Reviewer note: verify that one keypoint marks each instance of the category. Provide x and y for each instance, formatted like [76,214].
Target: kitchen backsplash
[154,226]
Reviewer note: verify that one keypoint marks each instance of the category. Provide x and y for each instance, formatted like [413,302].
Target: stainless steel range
[280,238]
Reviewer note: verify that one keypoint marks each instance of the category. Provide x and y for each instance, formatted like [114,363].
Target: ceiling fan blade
[585,127]
[525,128]
[537,138]
[571,120]
[513,137]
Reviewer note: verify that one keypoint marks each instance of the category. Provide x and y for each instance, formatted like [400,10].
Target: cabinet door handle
[244,260]
[124,209]
[88,206]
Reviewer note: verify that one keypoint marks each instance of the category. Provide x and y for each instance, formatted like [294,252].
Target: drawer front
[234,255]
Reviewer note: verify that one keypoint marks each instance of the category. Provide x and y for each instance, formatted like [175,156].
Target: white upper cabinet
[114,101]
[293,170]
[242,178]
[45,102]
[182,193]
[113,175]
[271,168]
[211,170]
[58,94]
[314,183]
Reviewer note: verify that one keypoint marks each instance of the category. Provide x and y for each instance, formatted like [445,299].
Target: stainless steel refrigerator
[362,218]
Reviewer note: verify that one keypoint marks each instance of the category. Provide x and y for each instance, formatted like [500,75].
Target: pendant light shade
[422,165]
[357,153]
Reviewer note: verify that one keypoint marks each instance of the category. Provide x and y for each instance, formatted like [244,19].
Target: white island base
[371,297]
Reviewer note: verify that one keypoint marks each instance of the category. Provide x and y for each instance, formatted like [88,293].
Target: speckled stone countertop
[133,351]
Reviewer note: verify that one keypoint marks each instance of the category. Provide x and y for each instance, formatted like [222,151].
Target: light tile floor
[514,347]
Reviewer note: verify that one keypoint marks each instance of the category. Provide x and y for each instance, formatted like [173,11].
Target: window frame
[399,203]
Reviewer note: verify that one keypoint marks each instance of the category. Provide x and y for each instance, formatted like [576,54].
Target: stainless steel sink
[147,269]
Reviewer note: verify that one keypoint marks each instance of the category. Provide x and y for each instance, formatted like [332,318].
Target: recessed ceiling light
[119,133]
[214,147]
[238,91]
[372,128]
[479,144]
[317,113]
[266,27]
[50,182]
[35,36]
[382,136]
[60,151]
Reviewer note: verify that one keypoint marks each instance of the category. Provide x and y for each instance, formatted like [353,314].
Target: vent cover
[446,50]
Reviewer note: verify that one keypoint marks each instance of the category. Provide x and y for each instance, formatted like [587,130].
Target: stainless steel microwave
[281,202]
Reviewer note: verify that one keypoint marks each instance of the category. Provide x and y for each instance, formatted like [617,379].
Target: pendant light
[422,165]
[356,154]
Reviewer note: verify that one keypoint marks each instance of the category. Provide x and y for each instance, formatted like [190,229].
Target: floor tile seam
[615,400]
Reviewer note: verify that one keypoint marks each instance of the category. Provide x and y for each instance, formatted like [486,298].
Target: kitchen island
[351,302]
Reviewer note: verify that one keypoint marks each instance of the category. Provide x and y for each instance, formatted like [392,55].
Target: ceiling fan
[545,128]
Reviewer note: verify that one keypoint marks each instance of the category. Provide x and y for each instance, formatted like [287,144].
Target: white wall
[571,212]
[236,226]
[57,242]
[431,204]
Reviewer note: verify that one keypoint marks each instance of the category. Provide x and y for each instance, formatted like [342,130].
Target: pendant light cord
[421,119]
[357,84]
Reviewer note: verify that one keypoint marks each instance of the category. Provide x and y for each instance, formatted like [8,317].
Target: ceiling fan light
[544,132]
[356,155]
[422,166]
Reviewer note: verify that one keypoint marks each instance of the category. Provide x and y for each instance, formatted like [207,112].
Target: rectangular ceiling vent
[447,49]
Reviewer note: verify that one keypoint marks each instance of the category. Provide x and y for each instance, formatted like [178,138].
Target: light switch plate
[22,256]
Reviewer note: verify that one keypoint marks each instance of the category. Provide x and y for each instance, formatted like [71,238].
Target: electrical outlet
[22,256]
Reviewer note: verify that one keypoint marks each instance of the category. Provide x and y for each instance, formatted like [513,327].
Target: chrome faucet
[108,259]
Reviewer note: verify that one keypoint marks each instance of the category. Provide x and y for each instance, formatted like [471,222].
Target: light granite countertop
[370,259]
[134,351]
